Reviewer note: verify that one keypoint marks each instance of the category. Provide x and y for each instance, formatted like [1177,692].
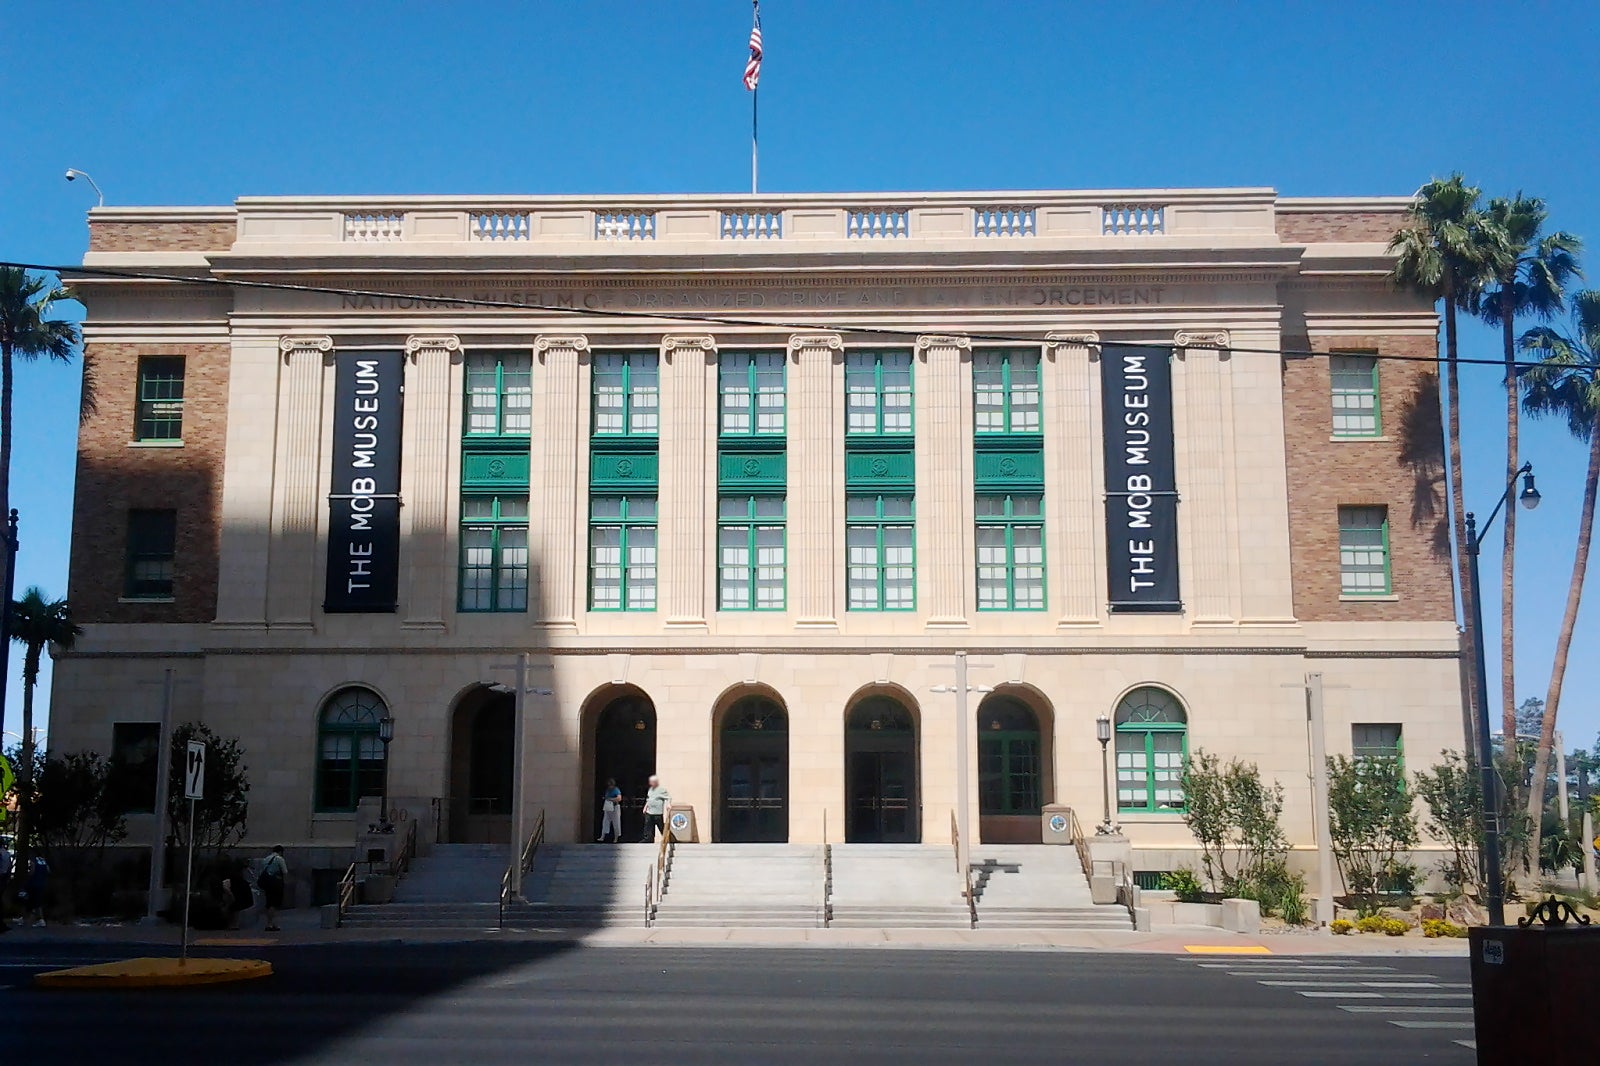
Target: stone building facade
[741,476]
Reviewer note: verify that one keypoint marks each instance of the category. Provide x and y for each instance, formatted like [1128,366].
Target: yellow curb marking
[1231,949]
[155,973]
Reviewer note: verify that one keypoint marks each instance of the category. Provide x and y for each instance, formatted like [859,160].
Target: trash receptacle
[1532,985]
[680,823]
[1055,823]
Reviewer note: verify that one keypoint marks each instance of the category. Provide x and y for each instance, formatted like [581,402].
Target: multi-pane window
[1010,778]
[750,553]
[150,553]
[1375,740]
[499,394]
[159,409]
[494,553]
[1010,552]
[135,756]
[627,394]
[622,553]
[1364,551]
[877,391]
[350,753]
[1355,395]
[1152,744]
[880,539]
[1005,391]
[751,384]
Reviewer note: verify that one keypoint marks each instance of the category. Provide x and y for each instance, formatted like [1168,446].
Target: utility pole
[963,759]
[519,740]
[158,832]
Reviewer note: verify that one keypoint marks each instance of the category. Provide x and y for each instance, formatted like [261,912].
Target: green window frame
[752,400]
[151,552]
[625,394]
[878,393]
[1152,734]
[1010,758]
[494,554]
[622,553]
[1364,559]
[499,394]
[1006,391]
[351,760]
[159,405]
[1357,409]
[1377,740]
[881,552]
[752,572]
[1010,548]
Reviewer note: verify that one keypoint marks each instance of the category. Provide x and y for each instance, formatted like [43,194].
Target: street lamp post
[385,734]
[523,667]
[1493,887]
[10,535]
[1102,732]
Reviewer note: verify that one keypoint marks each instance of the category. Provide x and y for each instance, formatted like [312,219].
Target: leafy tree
[1530,716]
[1565,384]
[1532,282]
[35,623]
[1235,817]
[1452,791]
[74,817]
[220,818]
[1371,824]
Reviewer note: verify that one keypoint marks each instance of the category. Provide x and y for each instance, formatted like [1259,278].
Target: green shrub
[1184,884]
[1292,903]
[1341,926]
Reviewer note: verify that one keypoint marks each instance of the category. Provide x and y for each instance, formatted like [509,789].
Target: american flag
[752,66]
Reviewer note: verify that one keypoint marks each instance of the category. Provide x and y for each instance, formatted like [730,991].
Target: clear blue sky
[197,103]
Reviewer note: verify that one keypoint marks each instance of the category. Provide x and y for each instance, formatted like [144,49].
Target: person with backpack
[37,885]
[271,880]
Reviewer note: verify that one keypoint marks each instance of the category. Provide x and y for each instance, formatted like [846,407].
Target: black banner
[364,504]
[1141,486]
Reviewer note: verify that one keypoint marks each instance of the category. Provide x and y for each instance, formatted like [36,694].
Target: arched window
[350,752]
[1152,744]
[1009,763]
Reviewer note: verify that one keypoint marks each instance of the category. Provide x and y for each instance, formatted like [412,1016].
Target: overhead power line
[692,317]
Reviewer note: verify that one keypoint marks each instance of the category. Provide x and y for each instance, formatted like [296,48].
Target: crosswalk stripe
[1473,1044]
[1411,1024]
[1365,984]
[1406,1010]
[1384,995]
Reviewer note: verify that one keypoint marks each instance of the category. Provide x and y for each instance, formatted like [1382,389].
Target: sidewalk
[303,928]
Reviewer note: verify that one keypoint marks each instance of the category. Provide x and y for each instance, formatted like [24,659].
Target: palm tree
[1449,251]
[35,622]
[1532,281]
[1566,384]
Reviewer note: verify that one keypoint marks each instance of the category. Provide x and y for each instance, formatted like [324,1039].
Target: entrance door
[624,750]
[481,768]
[881,774]
[753,793]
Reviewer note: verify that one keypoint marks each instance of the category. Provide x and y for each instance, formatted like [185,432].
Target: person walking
[611,812]
[6,862]
[271,880]
[37,885]
[656,802]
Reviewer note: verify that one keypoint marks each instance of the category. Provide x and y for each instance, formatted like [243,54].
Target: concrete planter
[378,888]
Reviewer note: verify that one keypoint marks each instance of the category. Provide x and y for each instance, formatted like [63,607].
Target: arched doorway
[880,760]
[753,778]
[482,736]
[624,749]
[1013,773]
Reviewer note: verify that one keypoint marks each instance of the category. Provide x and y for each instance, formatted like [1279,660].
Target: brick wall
[1402,470]
[115,476]
[161,236]
[1311,227]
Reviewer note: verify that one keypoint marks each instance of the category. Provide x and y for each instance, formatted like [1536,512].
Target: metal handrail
[965,875]
[1079,842]
[655,880]
[408,851]
[529,849]
[827,874]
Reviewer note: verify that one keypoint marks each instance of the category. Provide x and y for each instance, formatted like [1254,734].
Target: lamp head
[386,729]
[1529,496]
[1102,729]
[72,175]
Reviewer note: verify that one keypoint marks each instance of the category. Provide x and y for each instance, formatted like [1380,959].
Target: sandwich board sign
[194,771]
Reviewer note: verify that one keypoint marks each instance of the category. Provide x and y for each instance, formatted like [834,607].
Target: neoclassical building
[740,476]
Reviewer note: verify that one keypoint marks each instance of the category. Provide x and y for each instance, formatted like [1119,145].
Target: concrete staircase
[1020,886]
[454,886]
[761,886]
[896,886]
[584,886]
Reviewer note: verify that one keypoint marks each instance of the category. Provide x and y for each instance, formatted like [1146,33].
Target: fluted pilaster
[560,467]
[426,457]
[944,479]
[1207,405]
[688,443]
[816,479]
[1073,524]
[291,591]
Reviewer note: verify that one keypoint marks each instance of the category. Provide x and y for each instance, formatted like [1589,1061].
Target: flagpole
[755,96]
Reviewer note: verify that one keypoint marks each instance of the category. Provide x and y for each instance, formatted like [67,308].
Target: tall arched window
[1152,744]
[1009,762]
[350,755]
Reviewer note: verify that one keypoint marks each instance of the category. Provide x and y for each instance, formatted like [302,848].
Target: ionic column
[254,369]
[815,482]
[559,465]
[426,458]
[1259,495]
[292,566]
[944,480]
[1201,382]
[687,441]
[1072,471]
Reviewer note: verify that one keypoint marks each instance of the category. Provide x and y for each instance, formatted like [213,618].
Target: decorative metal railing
[525,858]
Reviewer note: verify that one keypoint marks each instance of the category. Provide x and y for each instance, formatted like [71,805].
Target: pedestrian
[656,802]
[6,862]
[611,812]
[37,885]
[271,880]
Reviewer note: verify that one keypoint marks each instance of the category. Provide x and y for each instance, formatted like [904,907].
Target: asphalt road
[529,1003]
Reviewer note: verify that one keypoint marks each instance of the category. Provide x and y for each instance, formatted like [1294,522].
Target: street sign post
[194,788]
